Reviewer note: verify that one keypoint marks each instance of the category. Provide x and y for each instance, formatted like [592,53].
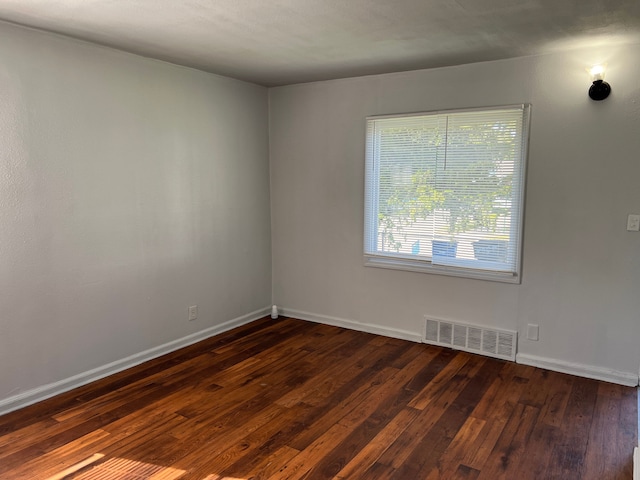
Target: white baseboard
[353,325]
[589,371]
[578,369]
[46,391]
[636,464]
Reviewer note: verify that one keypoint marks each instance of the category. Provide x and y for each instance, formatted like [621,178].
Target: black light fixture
[600,89]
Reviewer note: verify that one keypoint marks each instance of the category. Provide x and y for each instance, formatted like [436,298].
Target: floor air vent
[471,338]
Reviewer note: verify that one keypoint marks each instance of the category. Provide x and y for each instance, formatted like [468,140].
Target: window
[444,192]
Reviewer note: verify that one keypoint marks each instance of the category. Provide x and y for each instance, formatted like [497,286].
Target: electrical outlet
[533,332]
[193,312]
[633,223]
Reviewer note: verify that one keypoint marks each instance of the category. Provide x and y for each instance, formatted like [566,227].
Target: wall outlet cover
[533,332]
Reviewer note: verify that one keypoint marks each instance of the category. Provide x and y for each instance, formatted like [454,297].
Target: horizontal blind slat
[446,176]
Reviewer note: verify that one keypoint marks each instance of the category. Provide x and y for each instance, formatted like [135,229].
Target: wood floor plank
[569,455]
[505,458]
[270,464]
[47,465]
[401,448]
[235,459]
[495,408]
[601,441]
[217,452]
[439,383]
[374,415]
[300,465]
[537,460]
[326,381]
[335,411]
[316,421]
[288,399]
[345,399]
[441,434]
[625,432]
[372,450]
[554,407]
[449,463]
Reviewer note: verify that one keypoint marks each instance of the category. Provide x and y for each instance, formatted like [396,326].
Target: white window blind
[444,191]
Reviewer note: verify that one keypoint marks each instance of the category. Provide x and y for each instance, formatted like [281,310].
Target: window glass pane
[408,157]
[446,189]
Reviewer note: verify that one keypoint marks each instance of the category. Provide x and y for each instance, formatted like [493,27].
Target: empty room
[325,239]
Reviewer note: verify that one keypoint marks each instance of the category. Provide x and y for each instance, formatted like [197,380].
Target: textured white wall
[581,270]
[129,190]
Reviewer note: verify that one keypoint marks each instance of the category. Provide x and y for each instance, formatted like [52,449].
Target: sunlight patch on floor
[219,477]
[93,468]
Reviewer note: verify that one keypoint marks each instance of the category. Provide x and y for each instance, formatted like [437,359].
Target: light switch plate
[633,223]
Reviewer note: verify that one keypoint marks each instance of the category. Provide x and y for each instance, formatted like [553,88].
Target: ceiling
[278,42]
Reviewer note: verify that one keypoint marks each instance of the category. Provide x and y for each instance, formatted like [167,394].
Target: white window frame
[414,263]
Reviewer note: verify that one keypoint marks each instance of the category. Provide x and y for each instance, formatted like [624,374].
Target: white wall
[129,190]
[581,269]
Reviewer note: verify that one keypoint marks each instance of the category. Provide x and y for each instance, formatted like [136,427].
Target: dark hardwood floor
[289,399]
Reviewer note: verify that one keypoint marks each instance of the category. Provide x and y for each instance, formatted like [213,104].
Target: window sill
[425,266]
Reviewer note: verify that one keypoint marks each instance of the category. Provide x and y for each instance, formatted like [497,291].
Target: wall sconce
[600,89]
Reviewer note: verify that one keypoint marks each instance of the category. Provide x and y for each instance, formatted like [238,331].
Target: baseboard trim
[589,371]
[353,325]
[47,391]
[38,394]
[578,369]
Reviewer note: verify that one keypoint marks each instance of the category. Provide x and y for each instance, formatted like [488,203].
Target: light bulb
[597,72]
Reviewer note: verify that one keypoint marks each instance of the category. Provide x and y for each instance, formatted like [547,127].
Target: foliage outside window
[444,192]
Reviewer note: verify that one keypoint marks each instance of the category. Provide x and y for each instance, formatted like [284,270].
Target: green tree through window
[453,177]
